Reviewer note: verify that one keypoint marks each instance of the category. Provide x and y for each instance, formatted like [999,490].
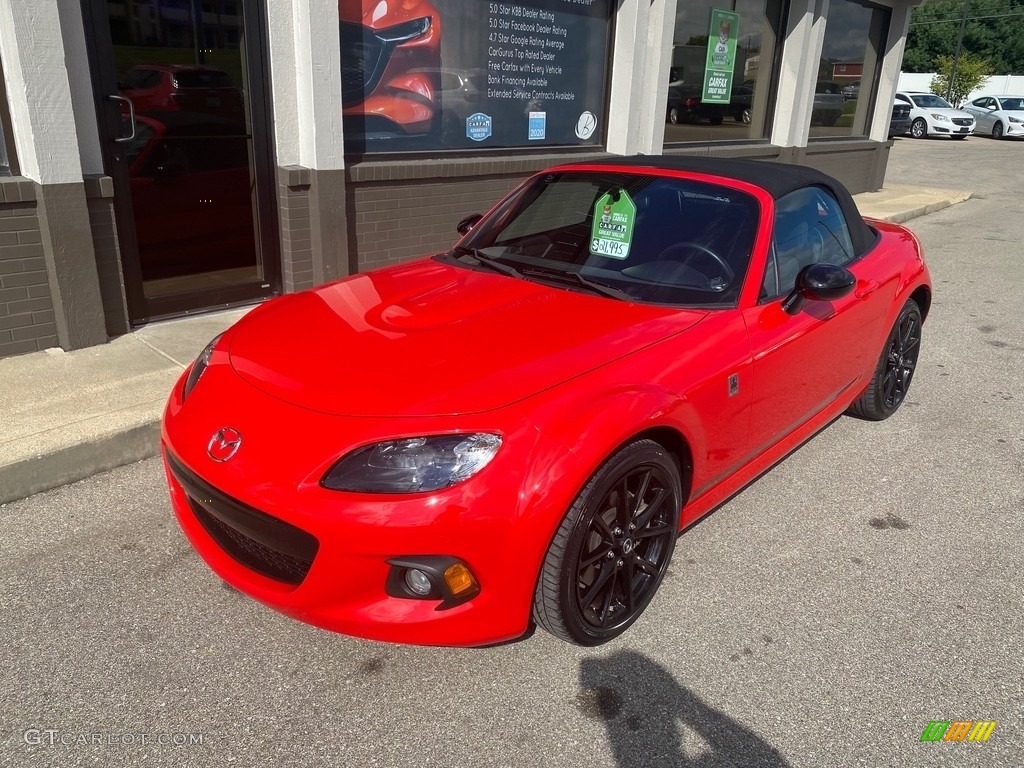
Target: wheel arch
[673,441]
[922,296]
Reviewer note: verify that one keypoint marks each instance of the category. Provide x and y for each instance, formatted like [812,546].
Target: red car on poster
[515,431]
[390,55]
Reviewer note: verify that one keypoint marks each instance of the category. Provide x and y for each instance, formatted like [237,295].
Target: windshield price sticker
[612,233]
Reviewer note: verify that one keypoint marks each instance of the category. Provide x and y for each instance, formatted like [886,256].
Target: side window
[809,229]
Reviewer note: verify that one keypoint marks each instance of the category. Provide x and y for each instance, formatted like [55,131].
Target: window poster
[722,36]
[465,74]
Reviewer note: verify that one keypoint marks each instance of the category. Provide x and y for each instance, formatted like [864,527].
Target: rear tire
[674,116]
[889,386]
[612,550]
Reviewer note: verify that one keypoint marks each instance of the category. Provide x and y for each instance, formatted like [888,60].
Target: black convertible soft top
[778,179]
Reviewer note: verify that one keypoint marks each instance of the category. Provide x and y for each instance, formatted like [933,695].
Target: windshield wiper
[488,261]
[575,277]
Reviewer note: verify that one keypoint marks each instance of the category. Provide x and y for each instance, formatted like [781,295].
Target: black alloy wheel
[889,386]
[613,547]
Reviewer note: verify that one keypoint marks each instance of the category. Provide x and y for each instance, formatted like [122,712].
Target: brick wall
[296,234]
[398,221]
[26,310]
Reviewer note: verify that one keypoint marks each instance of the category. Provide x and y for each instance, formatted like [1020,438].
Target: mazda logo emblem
[224,444]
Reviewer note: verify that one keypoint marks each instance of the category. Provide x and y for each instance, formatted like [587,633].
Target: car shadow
[651,719]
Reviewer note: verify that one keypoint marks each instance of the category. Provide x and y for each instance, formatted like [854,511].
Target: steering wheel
[692,249]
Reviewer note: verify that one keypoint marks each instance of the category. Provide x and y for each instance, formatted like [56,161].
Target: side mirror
[468,223]
[819,282]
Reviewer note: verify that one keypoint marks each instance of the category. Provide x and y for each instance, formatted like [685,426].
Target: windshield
[931,101]
[1013,104]
[645,238]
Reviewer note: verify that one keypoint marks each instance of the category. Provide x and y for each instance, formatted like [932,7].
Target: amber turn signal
[460,580]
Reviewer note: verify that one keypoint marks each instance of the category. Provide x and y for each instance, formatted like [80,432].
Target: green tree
[993,32]
[971,72]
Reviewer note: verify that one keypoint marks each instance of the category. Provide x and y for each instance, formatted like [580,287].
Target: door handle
[865,288]
[131,117]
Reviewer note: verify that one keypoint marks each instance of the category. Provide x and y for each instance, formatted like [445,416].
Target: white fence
[996,85]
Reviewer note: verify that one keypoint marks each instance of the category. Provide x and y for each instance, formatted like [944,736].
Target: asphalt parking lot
[865,586]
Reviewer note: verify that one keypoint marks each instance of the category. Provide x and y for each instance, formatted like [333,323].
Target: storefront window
[447,74]
[722,69]
[844,92]
[7,164]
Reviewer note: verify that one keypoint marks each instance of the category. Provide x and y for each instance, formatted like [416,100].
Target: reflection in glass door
[181,143]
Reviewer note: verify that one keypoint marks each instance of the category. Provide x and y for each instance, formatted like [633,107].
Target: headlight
[1015,120]
[199,367]
[413,465]
[407,30]
[940,118]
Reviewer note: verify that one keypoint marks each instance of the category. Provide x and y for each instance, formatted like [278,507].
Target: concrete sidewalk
[65,416]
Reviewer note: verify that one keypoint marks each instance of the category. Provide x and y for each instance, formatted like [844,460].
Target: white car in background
[998,115]
[932,115]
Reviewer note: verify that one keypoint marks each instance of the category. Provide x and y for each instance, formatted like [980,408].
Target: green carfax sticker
[612,232]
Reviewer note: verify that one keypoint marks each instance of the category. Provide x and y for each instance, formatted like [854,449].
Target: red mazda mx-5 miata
[445,451]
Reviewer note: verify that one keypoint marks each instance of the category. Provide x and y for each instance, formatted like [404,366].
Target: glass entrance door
[181,96]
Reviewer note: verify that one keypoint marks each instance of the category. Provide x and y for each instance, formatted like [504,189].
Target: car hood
[946,111]
[431,339]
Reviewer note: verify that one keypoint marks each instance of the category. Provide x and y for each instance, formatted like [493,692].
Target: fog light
[459,580]
[418,582]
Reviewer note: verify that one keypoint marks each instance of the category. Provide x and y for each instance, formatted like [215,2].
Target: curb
[77,462]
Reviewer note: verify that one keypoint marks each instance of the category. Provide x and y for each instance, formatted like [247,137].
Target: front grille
[962,121]
[262,543]
[363,57]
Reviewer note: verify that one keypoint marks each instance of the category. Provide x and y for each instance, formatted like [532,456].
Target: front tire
[674,116]
[919,129]
[613,547]
[888,387]
[997,131]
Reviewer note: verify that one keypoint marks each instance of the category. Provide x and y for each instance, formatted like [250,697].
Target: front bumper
[263,523]
[952,130]
[1015,130]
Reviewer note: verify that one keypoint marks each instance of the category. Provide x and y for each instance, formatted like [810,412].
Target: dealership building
[165,157]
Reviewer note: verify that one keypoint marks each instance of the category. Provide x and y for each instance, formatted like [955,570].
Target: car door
[806,361]
[982,111]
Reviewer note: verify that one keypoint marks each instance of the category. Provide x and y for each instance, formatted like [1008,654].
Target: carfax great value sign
[722,36]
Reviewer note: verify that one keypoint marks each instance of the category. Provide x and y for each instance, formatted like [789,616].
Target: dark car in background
[828,103]
[685,105]
[899,122]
